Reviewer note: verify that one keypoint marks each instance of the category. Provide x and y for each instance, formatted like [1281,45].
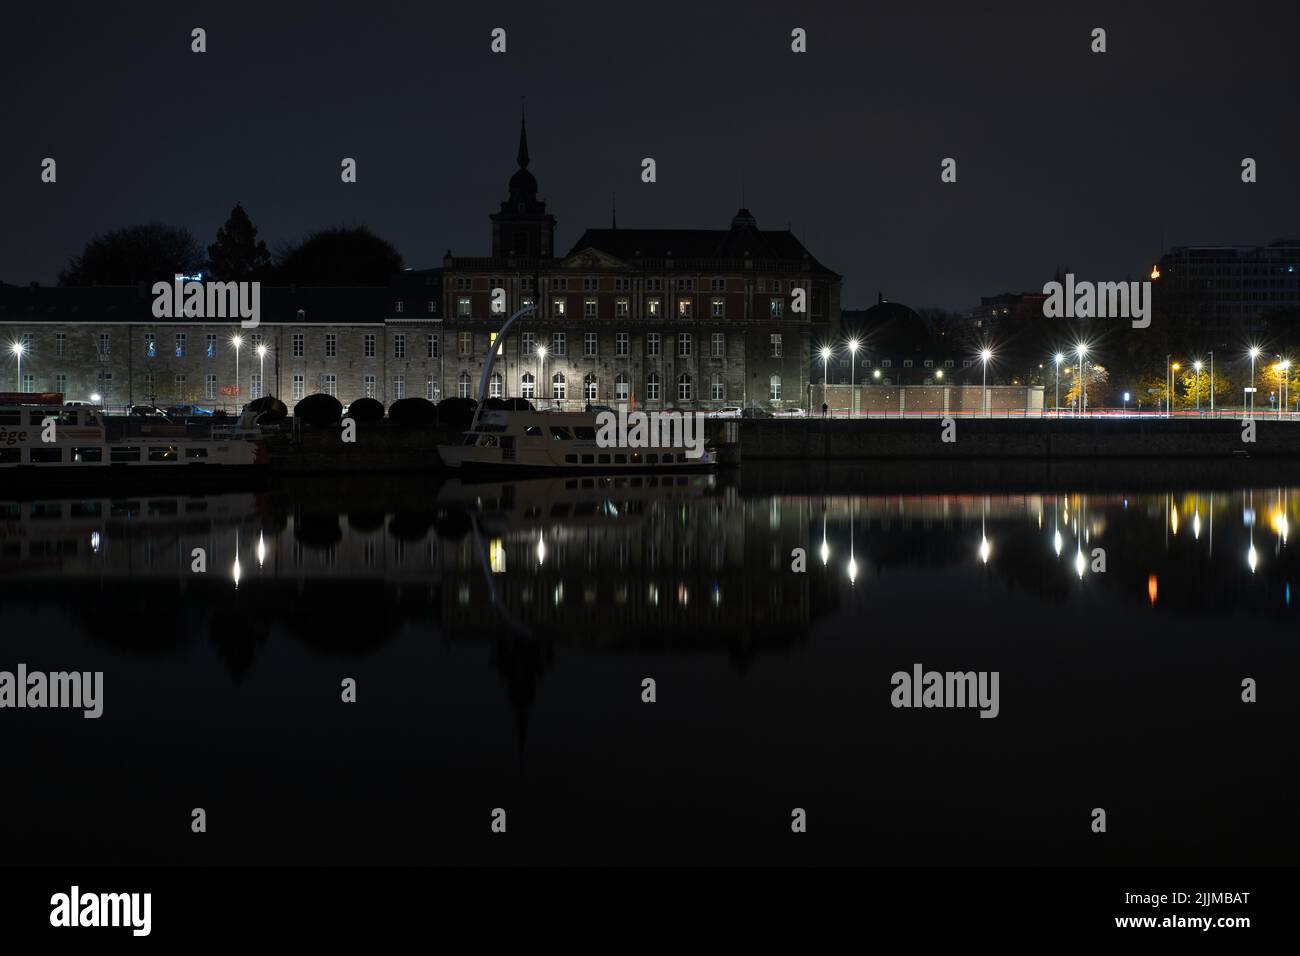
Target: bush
[413,411]
[269,409]
[366,410]
[319,410]
[456,412]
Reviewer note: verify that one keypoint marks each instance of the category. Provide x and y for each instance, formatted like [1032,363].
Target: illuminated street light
[1059,359]
[853,364]
[238,342]
[1082,349]
[985,355]
[18,349]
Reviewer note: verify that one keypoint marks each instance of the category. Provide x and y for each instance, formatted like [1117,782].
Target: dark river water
[499,635]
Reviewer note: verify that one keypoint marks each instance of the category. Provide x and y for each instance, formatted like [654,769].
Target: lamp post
[261,371]
[826,358]
[1059,359]
[1083,381]
[1254,354]
[541,355]
[853,362]
[985,355]
[1197,365]
[1211,384]
[1173,379]
[18,349]
[1167,358]
[1285,366]
[1126,398]
[238,342]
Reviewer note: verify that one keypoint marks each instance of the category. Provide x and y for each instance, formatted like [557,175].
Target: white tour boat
[54,441]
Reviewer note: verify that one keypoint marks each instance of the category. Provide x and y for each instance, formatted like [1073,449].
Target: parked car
[598,408]
[149,411]
[190,411]
[90,405]
[727,411]
[755,412]
[791,413]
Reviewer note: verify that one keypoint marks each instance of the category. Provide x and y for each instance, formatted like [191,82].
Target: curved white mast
[493,349]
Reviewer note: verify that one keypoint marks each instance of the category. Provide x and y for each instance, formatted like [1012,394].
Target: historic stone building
[657,317]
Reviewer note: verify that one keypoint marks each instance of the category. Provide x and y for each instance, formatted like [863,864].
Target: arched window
[774,388]
[494,386]
[683,388]
[528,387]
[620,387]
[559,388]
[462,385]
[590,388]
[652,387]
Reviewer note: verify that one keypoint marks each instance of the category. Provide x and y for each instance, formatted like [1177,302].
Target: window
[87,454]
[163,453]
[527,343]
[399,387]
[686,285]
[59,340]
[180,344]
[966,363]
[775,341]
[105,345]
[654,285]
[683,308]
[559,307]
[398,307]
[652,308]
[928,363]
[652,387]
[399,346]
[329,384]
[464,307]
[331,344]
[103,382]
[432,388]
[621,340]
[717,285]
[494,385]
[369,386]
[947,363]
[589,344]
[559,343]
[718,392]
[590,284]
[777,307]
[431,346]
[717,308]
[776,285]
[588,308]
[683,388]
[622,284]
[254,386]
[150,345]
[149,390]
[210,387]
[886,363]
[464,343]
[462,283]
[774,388]
[178,385]
[60,382]
[684,344]
[211,345]
[299,387]
[45,456]
[559,388]
[432,307]
[368,345]
[620,386]
[561,283]
[621,309]
[719,347]
[652,343]
[298,344]
[590,388]
[462,385]
[560,434]
[128,453]
[907,363]
[528,385]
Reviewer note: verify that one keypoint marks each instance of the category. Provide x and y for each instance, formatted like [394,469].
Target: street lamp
[1197,365]
[1083,381]
[1126,398]
[238,342]
[853,362]
[1285,366]
[1254,354]
[18,349]
[1211,384]
[826,358]
[1059,359]
[541,354]
[261,371]
[985,355]
[1173,380]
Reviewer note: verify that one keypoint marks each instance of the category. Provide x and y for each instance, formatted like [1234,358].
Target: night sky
[1064,156]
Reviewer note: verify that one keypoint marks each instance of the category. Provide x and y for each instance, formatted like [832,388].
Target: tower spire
[522,158]
[613,210]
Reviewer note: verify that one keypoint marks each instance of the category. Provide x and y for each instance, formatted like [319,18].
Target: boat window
[588,483]
[163,453]
[483,427]
[560,509]
[10,456]
[652,459]
[46,456]
[67,417]
[469,439]
[126,453]
[196,507]
[88,454]
[583,433]
[534,430]
[164,506]
[87,509]
[196,453]
[570,459]
[11,418]
[45,510]
[620,459]
[488,441]
[588,459]
[560,434]
[35,418]
[636,458]
[604,459]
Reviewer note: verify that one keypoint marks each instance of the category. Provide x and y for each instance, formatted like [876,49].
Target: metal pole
[1211,384]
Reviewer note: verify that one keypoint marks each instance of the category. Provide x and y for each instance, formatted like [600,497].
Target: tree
[1097,377]
[238,255]
[150,252]
[338,257]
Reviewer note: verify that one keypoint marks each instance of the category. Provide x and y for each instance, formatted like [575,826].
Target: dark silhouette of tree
[238,255]
[151,252]
[338,256]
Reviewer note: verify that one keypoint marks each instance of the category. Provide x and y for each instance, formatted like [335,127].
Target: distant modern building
[1226,287]
[685,318]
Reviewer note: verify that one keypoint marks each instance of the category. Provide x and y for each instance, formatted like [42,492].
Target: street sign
[1251,388]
